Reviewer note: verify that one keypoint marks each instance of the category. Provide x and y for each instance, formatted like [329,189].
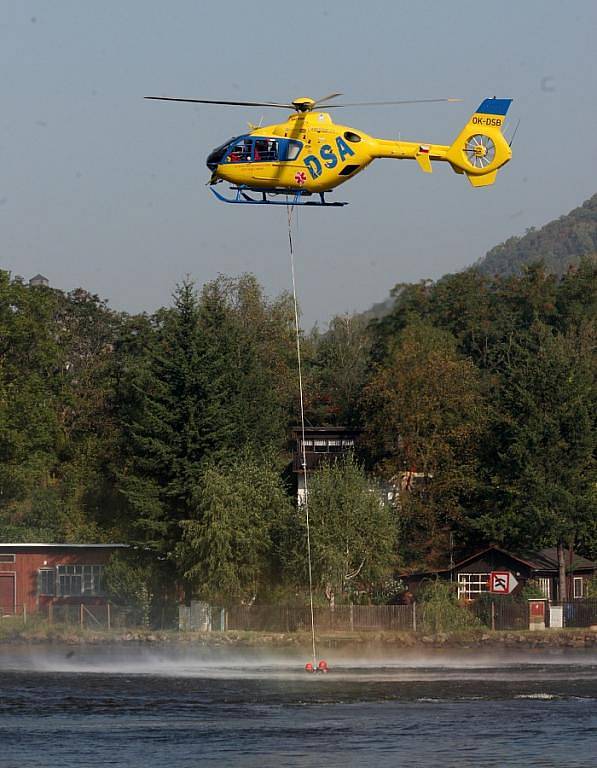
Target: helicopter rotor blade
[225,103]
[327,98]
[384,103]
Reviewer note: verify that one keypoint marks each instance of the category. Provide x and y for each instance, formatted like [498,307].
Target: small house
[36,576]
[39,280]
[322,445]
[541,567]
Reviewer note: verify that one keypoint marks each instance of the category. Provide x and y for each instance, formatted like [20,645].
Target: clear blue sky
[101,189]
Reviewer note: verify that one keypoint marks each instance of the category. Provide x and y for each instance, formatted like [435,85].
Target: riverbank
[43,633]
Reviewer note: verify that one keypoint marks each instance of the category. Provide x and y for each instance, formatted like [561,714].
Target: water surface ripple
[149,710]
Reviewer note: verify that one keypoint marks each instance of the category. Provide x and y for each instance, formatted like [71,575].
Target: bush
[440,610]
[128,584]
[530,591]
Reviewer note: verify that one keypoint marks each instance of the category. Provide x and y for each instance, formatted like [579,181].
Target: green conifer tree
[544,431]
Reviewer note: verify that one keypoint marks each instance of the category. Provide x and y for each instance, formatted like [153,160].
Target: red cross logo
[300,177]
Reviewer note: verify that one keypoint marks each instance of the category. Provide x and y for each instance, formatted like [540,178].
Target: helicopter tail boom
[479,151]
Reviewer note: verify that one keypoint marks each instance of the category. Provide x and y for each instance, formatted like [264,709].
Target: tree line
[474,397]
[559,243]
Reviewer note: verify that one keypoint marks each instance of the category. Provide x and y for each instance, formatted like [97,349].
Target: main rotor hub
[303,104]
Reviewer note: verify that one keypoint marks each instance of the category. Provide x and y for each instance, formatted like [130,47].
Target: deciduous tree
[425,414]
[352,533]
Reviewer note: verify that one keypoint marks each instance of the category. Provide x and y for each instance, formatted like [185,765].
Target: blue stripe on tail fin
[494,106]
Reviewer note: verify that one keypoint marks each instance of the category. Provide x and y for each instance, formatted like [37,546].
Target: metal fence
[346,618]
[106,616]
[497,614]
[18,611]
[502,614]
[512,614]
[580,613]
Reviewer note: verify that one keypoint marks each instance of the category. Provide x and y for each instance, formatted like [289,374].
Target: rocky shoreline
[344,641]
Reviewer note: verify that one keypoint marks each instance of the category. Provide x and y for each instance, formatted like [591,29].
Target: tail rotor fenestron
[479,150]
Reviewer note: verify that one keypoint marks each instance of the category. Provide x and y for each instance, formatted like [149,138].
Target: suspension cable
[290,210]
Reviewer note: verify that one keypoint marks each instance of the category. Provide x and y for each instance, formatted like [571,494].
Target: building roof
[549,556]
[541,560]
[327,430]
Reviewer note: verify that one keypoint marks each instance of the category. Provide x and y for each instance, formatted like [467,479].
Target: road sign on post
[502,582]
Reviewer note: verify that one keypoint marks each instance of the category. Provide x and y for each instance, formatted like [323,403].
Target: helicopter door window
[266,150]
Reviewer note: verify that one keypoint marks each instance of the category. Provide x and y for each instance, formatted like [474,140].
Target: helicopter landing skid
[294,198]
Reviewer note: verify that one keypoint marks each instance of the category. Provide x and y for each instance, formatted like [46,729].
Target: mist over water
[189,706]
[189,661]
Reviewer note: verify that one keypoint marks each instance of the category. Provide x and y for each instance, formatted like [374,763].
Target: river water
[188,708]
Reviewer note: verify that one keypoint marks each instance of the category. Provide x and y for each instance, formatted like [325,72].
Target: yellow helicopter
[311,155]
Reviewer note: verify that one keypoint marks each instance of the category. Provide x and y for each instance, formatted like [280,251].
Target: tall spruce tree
[179,417]
[340,367]
[544,441]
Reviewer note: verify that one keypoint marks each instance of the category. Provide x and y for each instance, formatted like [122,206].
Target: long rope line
[290,209]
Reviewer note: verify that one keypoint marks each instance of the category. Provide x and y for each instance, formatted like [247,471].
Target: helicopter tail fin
[480,149]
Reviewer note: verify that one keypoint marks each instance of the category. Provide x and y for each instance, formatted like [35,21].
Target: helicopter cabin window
[265,151]
[293,150]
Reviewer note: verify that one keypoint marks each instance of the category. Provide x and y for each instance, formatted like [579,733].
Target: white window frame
[544,585]
[89,577]
[7,557]
[40,590]
[471,585]
[578,581]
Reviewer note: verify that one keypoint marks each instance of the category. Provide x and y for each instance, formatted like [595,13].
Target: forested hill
[559,244]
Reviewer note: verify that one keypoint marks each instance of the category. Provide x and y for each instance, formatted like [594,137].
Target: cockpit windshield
[216,156]
[240,151]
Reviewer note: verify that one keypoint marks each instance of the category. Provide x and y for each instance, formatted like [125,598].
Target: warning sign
[502,582]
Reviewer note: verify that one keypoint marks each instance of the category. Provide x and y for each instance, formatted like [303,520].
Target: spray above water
[255,664]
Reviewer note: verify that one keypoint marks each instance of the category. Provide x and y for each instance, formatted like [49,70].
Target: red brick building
[33,576]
